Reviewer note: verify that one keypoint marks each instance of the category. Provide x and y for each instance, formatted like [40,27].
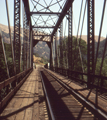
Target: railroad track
[63,103]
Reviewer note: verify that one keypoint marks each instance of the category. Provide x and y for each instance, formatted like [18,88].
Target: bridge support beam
[31,48]
[90,41]
[70,38]
[16,42]
[61,45]
[26,41]
[56,59]
[51,44]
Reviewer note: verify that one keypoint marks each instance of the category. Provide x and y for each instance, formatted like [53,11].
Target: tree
[75,53]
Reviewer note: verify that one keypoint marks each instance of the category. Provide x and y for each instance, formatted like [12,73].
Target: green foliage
[45,61]
[3,70]
[3,73]
[75,53]
[103,71]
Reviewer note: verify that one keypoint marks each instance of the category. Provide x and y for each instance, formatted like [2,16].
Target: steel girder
[59,14]
[26,42]
[16,42]
[90,39]
[56,59]
[51,52]
[62,15]
[61,45]
[70,38]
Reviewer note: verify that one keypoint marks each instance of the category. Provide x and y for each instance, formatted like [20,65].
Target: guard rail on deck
[17,80]
[82,78]
[97,83]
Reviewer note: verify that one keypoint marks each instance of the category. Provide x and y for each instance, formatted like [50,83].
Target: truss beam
[62,15]
[70,38]
[50,46]
[61,45]
[17,34]
[43,35]
[44,27]
[44,13]
[90,38]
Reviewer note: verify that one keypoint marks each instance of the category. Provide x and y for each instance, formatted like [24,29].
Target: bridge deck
[87,93]
[28,103]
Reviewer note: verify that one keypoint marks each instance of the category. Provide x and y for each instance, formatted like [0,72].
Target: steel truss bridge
[42,22]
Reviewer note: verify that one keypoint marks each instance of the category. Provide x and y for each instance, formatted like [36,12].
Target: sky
[76,11]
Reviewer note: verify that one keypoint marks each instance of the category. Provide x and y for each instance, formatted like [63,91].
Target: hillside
[39,60]
[42,48]
[84,37]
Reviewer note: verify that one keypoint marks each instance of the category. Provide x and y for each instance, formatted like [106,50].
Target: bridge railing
[14,82]
[97,81]
[97,85]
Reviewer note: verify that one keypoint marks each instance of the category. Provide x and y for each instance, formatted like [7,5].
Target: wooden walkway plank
[25,102]
[35,114]
[15,103]
[29,111]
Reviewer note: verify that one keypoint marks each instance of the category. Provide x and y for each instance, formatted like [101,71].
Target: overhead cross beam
[44,27]
[42,35]
[62,15]
[44,13]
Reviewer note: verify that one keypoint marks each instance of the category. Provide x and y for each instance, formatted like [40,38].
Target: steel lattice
[17,34]
[70,38]
[25,44]
[90,56]
[61,45]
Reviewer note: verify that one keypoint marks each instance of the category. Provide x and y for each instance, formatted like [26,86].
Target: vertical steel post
[61,44]
[28,44]
[90,40]
[70,38]
[31,47]
[51,52]
[17,44]
[25,41]
[56,60]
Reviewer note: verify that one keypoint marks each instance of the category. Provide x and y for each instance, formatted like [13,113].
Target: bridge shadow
[63,107]
[41,99]
[82,89]
[28,92]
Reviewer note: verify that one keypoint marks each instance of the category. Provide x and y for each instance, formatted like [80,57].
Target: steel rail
[47,99]
[98,112]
